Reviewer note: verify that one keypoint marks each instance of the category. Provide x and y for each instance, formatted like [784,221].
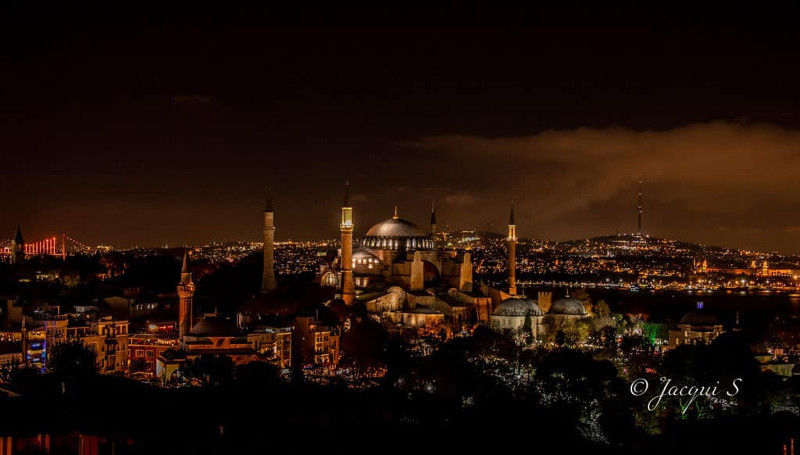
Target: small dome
[214,326]
[517,307]
[568,306]
[361,253]
[395,227]
[699,318]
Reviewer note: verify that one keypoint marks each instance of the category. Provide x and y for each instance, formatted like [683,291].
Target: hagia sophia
[404,279]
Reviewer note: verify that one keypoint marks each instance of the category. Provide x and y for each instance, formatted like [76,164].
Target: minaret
[185,295]
[268,282]
[639,230]
[17,247]
[512,253]
[24,340]
[433,220]
[346,228]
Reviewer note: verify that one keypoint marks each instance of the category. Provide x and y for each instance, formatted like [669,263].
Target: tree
[364,345]
[23,374]
[610,334]
[583,329]
[560,338]
[554,325]
[632,325]
[210,369]
[73,358]
[576,332]
[653,331]
[601,310]
[527,329]
[589,394]
[71,280]
[486,341]
[726,359]
[528,325]
[257,375]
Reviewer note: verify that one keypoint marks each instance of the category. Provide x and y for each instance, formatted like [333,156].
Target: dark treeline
[470,392]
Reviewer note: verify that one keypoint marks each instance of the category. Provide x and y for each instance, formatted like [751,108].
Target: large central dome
[395,227]
[396,233]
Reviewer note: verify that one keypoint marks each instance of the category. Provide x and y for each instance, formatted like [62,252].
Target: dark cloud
[461,198]
[740,175]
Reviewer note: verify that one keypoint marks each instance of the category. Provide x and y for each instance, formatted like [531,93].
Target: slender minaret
[185,295]
[268,282]
[17,247]
[433,220]
[639,230]
[512,253]
[346,228]
[24,340]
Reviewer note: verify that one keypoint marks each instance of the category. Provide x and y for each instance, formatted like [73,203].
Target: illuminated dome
[517,307]
[699,318]
[395,227]
[214,326]
[568,306]
[396,233]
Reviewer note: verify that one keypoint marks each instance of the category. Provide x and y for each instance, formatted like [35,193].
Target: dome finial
[395,216]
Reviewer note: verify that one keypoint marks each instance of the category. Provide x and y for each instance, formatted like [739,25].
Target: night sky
[150,127]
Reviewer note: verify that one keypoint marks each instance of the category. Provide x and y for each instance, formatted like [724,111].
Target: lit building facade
[318,343]
[109,339]
[273,345]
[144,349]
[695,327]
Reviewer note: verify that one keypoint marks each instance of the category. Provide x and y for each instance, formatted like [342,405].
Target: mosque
[402,278]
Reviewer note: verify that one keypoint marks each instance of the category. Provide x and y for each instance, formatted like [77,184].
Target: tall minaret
[433,220]
[185,295]
[268,282]
[512,253]
[24,341]
[639,230]
[17,247]
[346,228]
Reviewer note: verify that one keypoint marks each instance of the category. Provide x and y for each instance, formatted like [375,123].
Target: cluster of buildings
[405,277]
[757,274]
[28,335]
[40,330]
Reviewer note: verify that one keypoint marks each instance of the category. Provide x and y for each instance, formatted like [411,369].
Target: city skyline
[245,228]
[53,240]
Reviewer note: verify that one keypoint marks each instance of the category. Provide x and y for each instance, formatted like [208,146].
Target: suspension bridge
[57,245]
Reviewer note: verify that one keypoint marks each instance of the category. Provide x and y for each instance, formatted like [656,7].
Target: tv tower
[639,231]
